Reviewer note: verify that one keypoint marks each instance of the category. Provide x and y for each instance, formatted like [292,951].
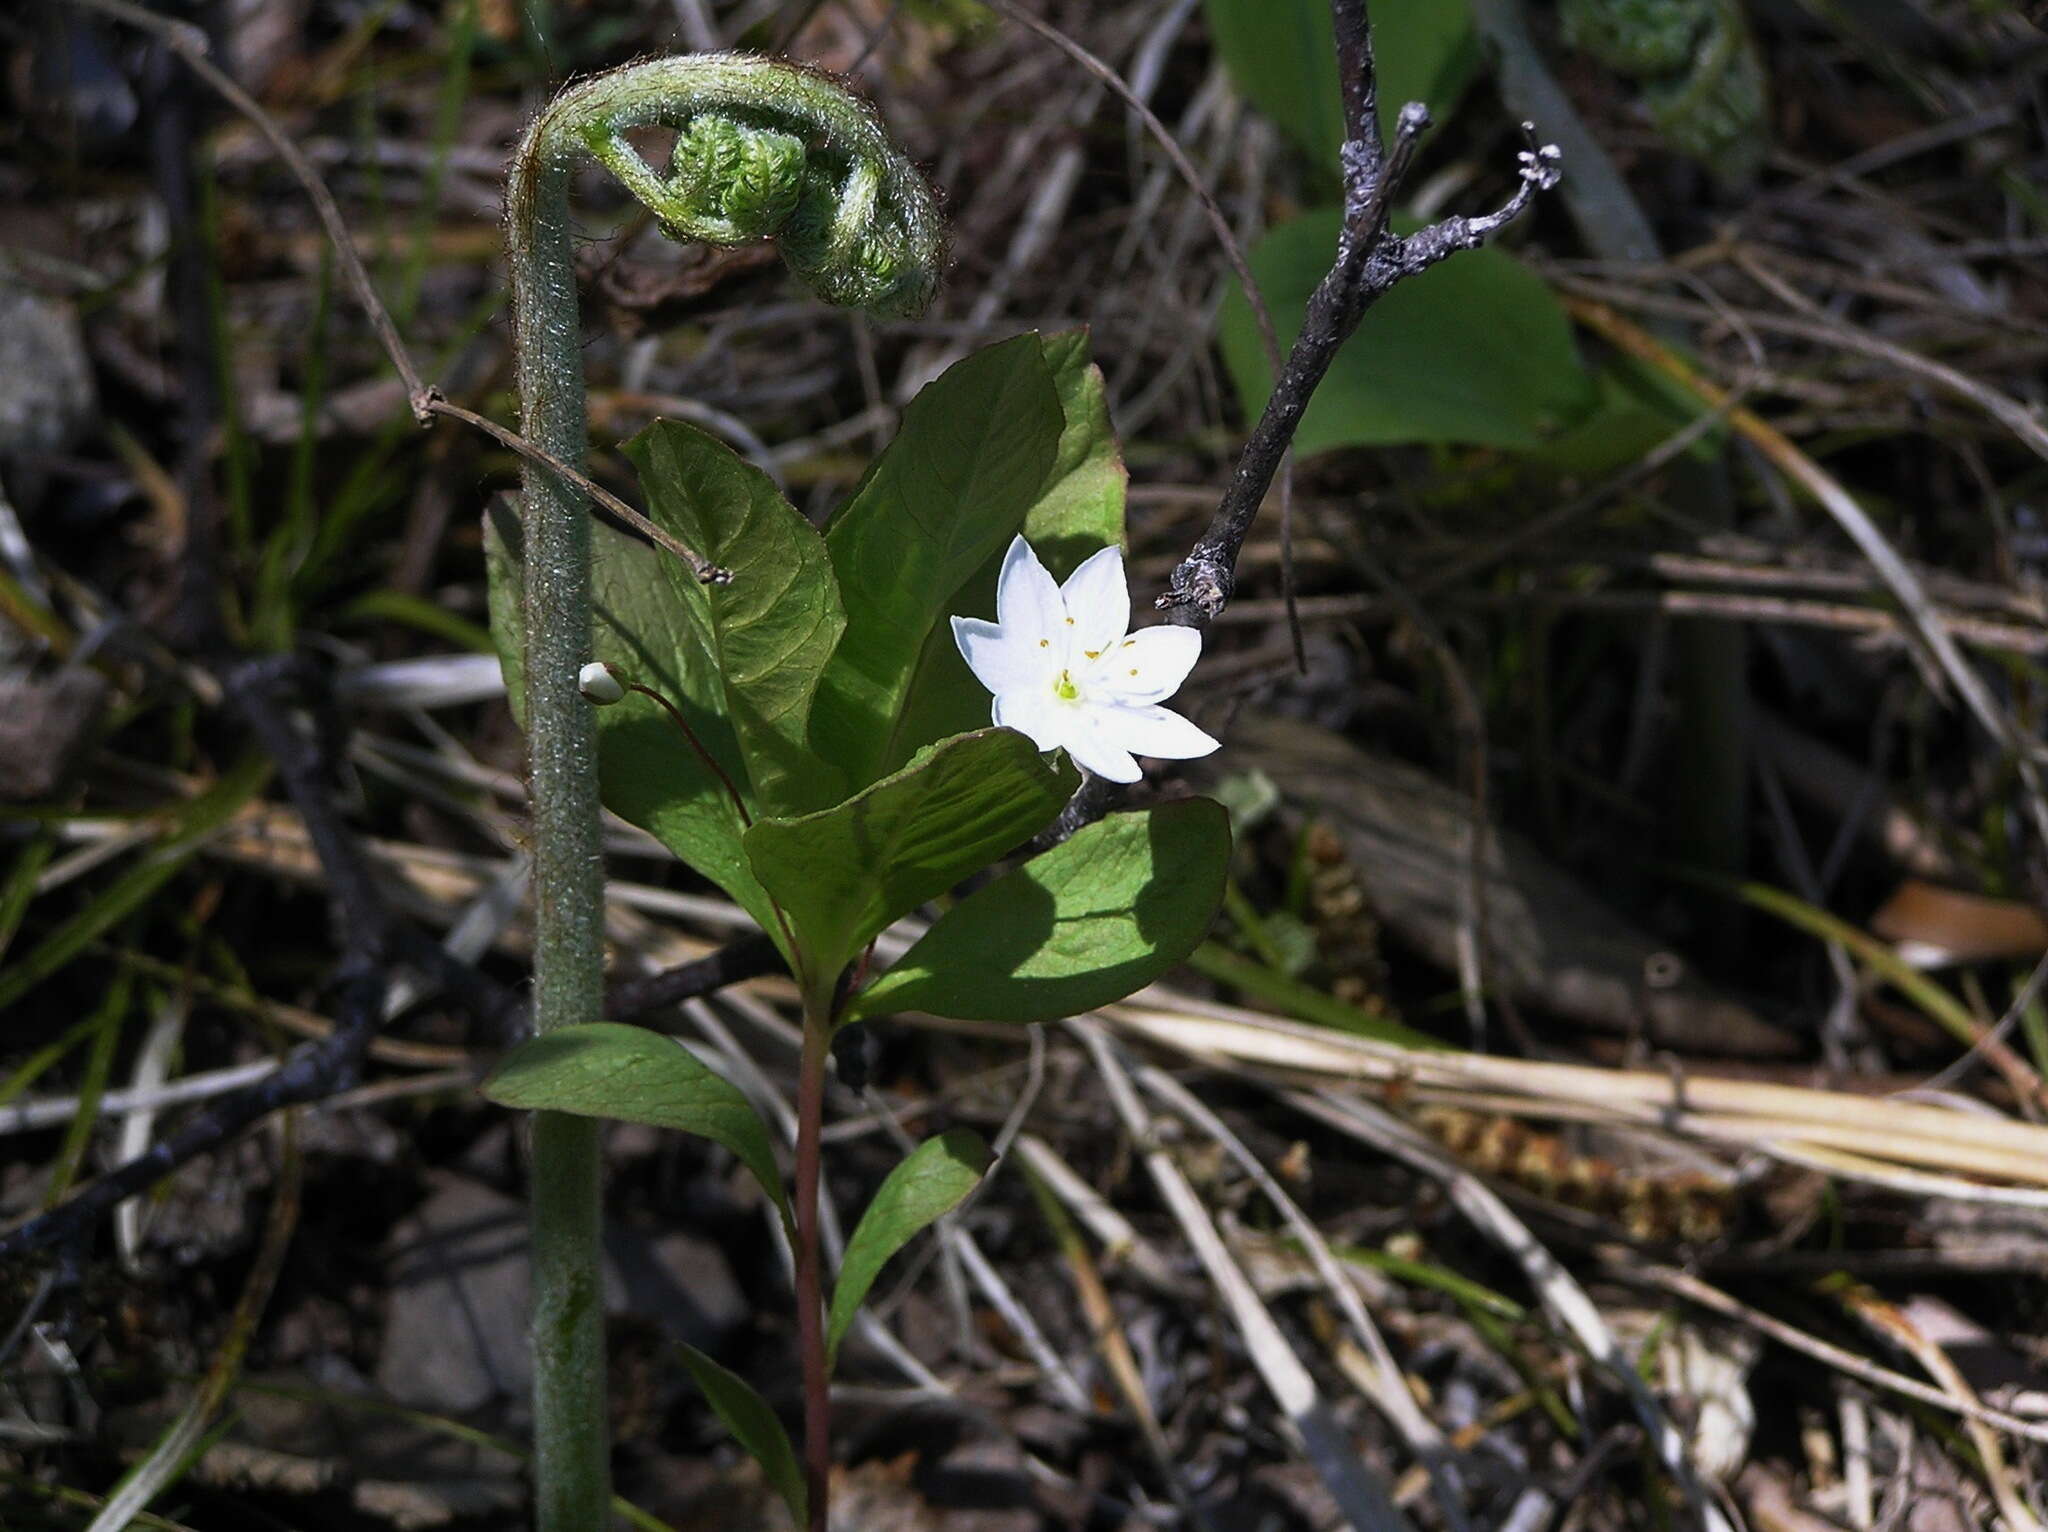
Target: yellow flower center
[1065,689]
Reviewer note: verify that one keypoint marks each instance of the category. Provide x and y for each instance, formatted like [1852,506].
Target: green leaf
[1088,922]
[753,1425]
[603,1069]
[1079,509]
[1282,54]
[649,775]
[772,630]
[844,873]
[1473,350]
[1080,506]
[945,495]
[1637,410]
[930,1183]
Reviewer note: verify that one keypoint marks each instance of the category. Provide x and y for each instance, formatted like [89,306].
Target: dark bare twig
[332,1065]
[749,957]
[425,399]
[258,689]
[363,927]
[1371,259]
[372,939]
[311,1073]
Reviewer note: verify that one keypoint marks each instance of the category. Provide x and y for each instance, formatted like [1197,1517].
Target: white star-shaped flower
[1067,671]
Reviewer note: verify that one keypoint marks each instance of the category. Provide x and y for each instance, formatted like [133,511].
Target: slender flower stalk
[763,149]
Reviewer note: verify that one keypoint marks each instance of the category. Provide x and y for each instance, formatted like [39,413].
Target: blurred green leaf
[1476,350]
[1282,54]
[1086,923]
[753,1425]
[930,1183]
[603,1069]
[944,496]
[844,873]
[417,612]
[191,826]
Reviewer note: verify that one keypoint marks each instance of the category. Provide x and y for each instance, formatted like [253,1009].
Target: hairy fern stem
[764,149]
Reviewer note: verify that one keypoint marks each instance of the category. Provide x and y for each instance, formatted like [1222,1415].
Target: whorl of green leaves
[766,149]
[732,182]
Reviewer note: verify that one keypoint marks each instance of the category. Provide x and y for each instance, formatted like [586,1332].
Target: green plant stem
[572,1468]
[858,224]
[810,1290]
[572,1471]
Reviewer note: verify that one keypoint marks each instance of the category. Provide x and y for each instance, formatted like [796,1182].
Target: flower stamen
[1064,697]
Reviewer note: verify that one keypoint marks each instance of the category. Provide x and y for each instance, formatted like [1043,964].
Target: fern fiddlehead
[1703,80]
[763,149]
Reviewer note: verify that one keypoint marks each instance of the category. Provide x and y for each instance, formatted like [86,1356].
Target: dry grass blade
[1363,1500]
[1110,1341]
[1738,1113]
[1121,1242]
[173,1450]
[1562,1298]
[1163,136]
[1889,1322]
[1821,329]
[1850,516]
[40,1112]
[1684,1285]
[151,1071]
[1380,1377]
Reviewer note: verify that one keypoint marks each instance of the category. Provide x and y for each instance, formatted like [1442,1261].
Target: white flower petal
[1098,603]
[1092,745]
[998,661]
[1028,604]
[1037,714]
[1153,731]
[1149,666]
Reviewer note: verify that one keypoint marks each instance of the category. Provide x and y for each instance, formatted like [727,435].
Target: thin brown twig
[1680,1284]
[1233,252]
[190,44]
[702,568]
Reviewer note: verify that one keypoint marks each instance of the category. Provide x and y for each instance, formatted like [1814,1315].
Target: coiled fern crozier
[1703,81]
[764,150]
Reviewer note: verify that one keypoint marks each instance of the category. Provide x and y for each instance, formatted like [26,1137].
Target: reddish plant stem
[710,761]
[810,1295]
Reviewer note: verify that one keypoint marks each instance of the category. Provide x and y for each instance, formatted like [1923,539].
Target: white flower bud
[600,683]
